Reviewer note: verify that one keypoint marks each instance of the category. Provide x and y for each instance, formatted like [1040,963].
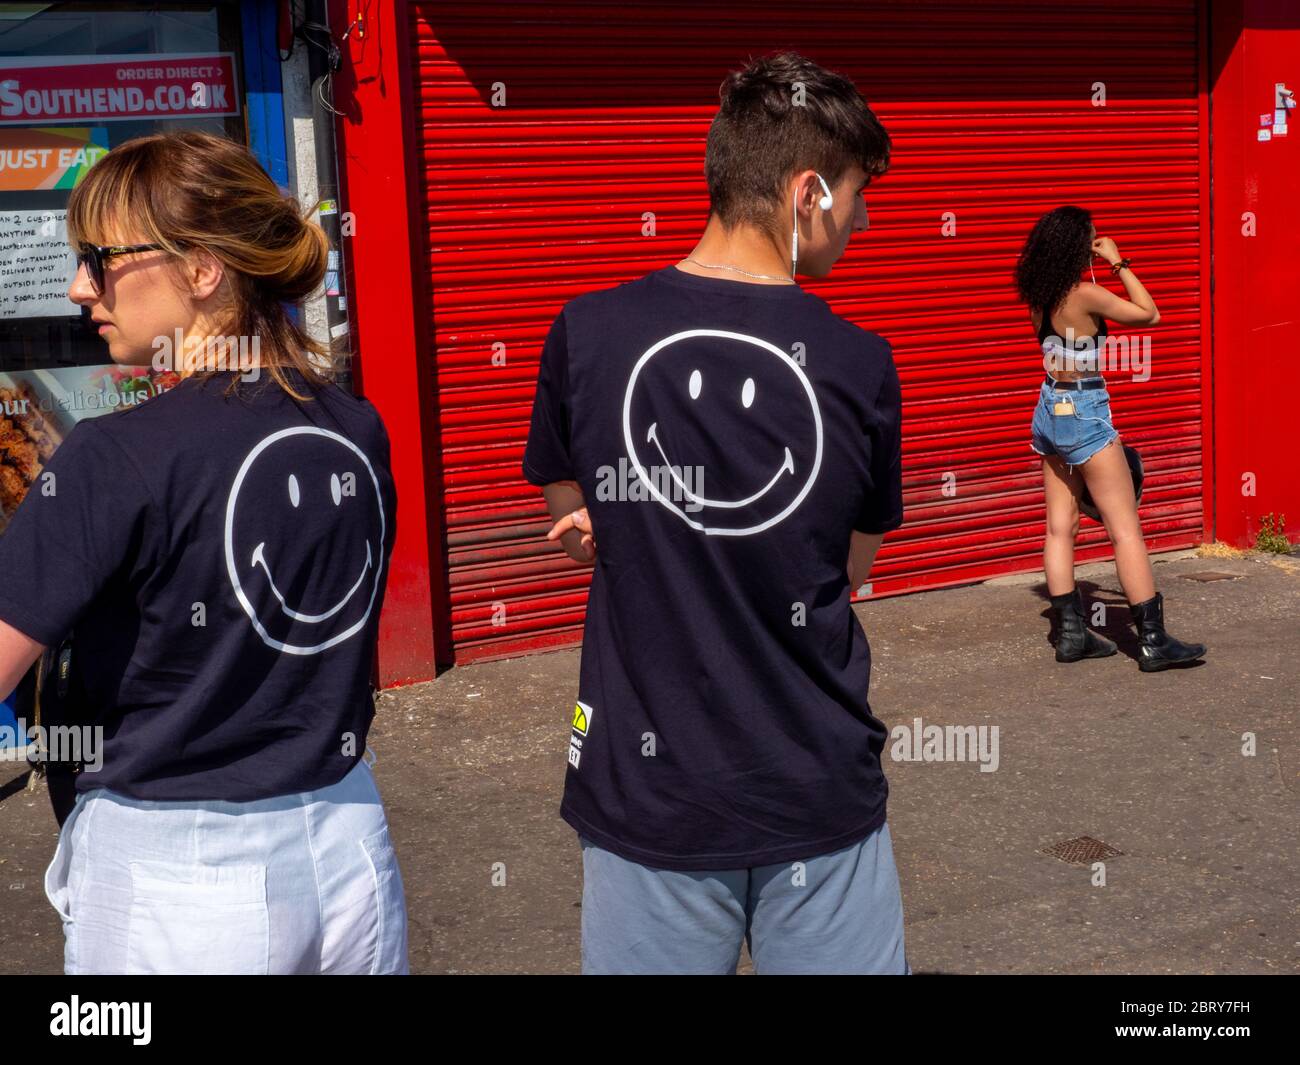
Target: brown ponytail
[188,190]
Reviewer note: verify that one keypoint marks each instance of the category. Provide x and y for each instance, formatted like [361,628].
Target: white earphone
[824,203]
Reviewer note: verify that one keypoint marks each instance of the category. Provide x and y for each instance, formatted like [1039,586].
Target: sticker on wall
[332,273]
[1265,135]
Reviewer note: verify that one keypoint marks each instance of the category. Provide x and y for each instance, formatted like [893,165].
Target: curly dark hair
[1055,253]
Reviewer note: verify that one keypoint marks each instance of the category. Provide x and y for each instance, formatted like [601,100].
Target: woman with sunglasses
[1072,431]
[220,552]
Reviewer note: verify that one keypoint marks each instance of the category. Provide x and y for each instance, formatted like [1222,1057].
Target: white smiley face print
[304,538]
[733,407]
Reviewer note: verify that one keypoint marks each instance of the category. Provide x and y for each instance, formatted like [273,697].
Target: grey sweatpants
[834,913]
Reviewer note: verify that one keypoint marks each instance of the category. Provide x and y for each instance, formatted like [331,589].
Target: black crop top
[1045,330]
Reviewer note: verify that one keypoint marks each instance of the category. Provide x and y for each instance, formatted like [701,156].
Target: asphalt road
[1208,875]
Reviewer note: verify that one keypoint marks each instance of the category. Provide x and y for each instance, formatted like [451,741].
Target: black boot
[1076,640]
[1159,650]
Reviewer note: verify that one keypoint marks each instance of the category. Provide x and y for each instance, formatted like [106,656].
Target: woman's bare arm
[17,653]
[1138,309]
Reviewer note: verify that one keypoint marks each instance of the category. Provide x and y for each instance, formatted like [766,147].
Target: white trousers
[304,883]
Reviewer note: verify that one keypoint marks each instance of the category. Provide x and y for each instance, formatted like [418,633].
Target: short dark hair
[762,136]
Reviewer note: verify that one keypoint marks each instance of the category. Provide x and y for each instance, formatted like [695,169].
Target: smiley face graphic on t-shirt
[723,429]
[304,539]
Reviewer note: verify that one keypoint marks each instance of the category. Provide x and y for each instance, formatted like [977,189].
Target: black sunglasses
[95,255]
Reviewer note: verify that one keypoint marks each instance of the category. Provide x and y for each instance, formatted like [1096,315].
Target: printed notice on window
[36,265]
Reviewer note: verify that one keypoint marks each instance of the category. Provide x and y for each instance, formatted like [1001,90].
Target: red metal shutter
[995,111]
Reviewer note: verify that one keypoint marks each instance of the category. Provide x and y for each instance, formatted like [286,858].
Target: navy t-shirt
[728,437]
[221,561]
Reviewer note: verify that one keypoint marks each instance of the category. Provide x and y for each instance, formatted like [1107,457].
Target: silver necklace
[765,277]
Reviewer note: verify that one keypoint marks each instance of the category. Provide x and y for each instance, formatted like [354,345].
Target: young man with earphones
[724,767]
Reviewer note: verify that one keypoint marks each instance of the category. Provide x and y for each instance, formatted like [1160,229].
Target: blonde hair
[188,191]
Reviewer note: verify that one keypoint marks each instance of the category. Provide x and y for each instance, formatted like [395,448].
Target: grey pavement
[1207,880]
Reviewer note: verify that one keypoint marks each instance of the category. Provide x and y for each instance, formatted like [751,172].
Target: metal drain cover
[1211,575]
[1082,850]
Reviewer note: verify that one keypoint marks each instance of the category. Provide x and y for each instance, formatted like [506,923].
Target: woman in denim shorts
[1072,430]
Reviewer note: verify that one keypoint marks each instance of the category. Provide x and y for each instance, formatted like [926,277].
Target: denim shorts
[1077,436]
[833,913]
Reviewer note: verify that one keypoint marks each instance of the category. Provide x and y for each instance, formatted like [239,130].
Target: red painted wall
[1256,301]
[375,135]
[1256,284]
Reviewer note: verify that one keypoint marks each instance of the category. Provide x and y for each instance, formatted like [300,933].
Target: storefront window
[77,79]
